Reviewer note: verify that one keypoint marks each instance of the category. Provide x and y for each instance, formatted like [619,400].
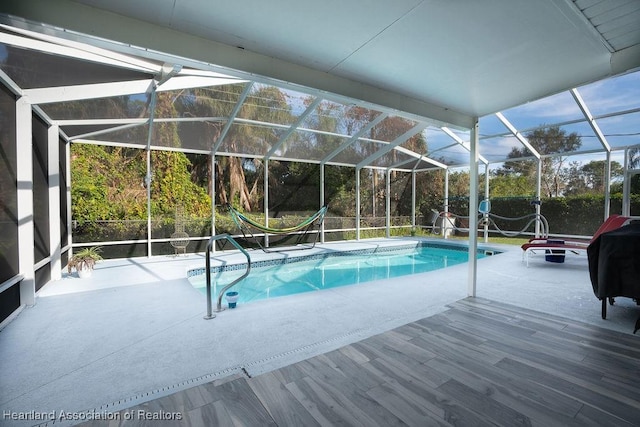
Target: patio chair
[179,238]
[558,248]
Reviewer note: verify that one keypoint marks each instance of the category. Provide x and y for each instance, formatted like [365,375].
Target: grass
[404,232]
[519,241]
[509,240]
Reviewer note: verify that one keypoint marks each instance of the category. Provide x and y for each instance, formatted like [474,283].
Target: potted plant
[84,261]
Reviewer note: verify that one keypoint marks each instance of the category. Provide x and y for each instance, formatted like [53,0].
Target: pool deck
[135,331]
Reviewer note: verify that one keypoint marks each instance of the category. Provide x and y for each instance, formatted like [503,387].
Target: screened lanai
[71,84]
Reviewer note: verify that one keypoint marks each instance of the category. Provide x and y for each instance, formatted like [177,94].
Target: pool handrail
[231,240]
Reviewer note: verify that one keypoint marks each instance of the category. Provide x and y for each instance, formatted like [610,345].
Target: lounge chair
[550,246]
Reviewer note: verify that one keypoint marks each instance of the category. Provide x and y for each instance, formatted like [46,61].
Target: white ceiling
[450,61]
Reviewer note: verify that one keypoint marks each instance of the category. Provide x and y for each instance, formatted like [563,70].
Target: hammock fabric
[235,214]
[243,222]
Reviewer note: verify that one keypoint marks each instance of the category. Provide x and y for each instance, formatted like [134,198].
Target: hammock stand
[245,225]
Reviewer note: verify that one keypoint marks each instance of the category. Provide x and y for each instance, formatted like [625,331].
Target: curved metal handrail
[231,240]
[488,218]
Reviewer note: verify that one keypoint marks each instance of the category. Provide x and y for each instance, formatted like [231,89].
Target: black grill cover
[614,263]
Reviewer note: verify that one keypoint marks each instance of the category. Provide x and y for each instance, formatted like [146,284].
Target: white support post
[148,180]
[388,205]
[445,218]
[149,177]
[607,186]
[473,217]
[266,201]
[538,195]
[446,190]
[55,243]
[626,185]
[486,197]
[212,157]
[322,202]
[24,176]
[67,149]
[413,202]
[357,204]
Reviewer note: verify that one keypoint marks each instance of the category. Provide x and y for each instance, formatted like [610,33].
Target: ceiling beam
[418,159]
[50,44]
[518,135]
[310,109]
[464,144]
[48,95]
[625,60]
[399,140]
[232,116]
[107,131]
[592,122]
[355,137]
[4,78]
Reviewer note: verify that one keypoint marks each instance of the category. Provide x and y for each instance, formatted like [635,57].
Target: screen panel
[8,187]
[41,244]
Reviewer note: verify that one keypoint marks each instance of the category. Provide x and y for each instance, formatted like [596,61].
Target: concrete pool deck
[135,330]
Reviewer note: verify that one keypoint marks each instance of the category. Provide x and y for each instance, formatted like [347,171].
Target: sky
[603,98]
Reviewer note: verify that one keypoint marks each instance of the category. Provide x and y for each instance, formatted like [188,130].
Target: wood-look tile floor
[478,363]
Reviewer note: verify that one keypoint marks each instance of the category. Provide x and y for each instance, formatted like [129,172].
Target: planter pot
[232,299]
[83,273]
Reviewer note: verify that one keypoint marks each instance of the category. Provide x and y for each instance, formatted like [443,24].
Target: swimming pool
[276,278]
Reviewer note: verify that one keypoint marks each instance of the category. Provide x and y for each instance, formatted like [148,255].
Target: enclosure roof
[435,64]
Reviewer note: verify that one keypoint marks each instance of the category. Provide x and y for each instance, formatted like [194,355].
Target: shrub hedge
[575,215]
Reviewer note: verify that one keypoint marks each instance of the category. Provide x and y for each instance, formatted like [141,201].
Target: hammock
[244,223]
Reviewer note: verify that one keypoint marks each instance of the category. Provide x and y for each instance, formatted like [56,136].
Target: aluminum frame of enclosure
[157,72]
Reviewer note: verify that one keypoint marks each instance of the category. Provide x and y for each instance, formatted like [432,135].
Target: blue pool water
[325,272]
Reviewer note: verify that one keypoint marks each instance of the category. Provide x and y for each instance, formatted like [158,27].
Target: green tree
[510,186]
[551,141]
[590,178]
[634,163]
[106,183]
[172,187]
